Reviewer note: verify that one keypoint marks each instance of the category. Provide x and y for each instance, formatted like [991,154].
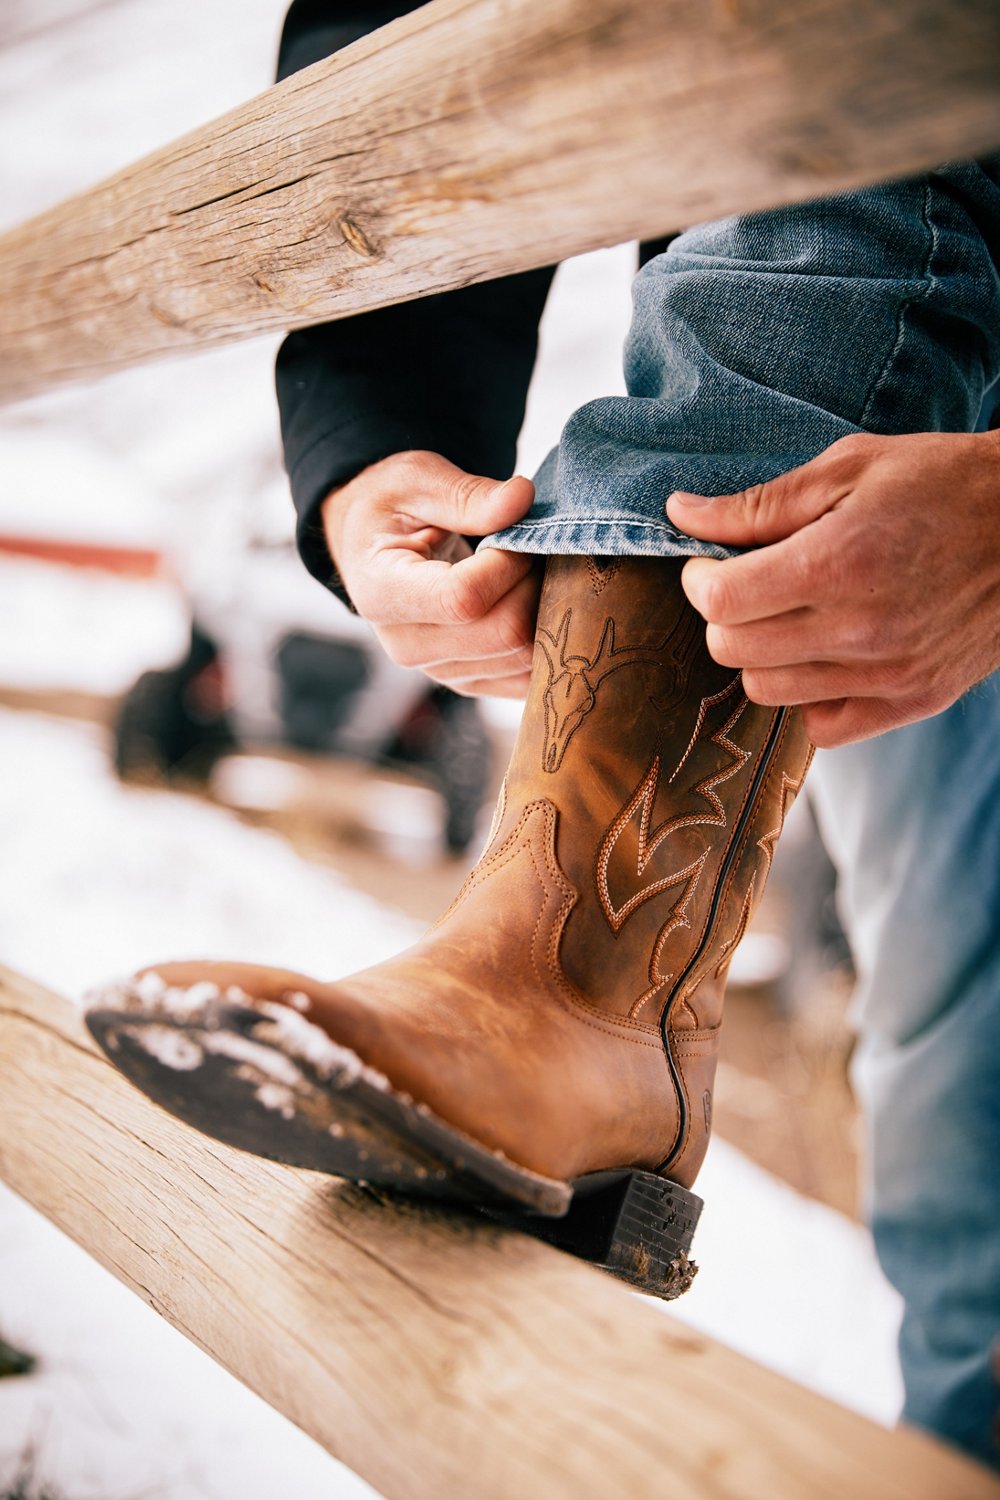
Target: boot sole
[263,1079]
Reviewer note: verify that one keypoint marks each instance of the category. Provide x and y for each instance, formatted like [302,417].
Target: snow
[124,1407]
[97,879]
[137,877]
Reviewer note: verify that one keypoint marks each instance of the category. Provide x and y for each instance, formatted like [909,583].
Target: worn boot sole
[258,1076]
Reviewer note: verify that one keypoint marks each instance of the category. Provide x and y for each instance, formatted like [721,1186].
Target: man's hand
[397,535]
[874,597]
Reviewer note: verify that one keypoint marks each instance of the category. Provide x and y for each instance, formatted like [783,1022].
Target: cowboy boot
[549,1047]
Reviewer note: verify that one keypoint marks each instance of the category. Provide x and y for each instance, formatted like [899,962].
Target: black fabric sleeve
[448,373]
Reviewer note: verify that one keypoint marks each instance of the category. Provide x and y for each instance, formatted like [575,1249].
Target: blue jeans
[912,821]
[756,342]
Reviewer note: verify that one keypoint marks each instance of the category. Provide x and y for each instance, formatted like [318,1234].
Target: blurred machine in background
[274,661]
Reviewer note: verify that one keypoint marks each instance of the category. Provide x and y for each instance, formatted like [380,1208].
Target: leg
[758,341]
[563,1017]
[913,823]
[560,1023]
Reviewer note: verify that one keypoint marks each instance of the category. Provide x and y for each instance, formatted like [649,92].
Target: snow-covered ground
[96,878]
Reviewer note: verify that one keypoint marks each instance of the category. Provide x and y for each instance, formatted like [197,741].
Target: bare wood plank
[479,137]
[438,1356]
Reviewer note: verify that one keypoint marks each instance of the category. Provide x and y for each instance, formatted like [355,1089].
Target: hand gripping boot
[549,1048]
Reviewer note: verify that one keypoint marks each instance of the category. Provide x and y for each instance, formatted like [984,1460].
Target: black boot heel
[634,1224]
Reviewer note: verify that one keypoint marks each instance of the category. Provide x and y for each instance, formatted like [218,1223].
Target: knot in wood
[355,236]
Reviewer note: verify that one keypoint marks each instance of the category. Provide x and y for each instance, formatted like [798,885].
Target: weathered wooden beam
[478,137]
[439,1356]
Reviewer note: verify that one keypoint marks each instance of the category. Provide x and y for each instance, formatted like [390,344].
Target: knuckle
[899,677]
[463,602]
[718,595]
[868,636]
[464,489]
[854,446]
[401,646]
[403,654]
[809,572]
[721,647]
[754,500]
[930,701]
[405,470]
[760,688]
[514,631]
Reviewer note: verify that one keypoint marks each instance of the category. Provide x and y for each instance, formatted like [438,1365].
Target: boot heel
[634,1224]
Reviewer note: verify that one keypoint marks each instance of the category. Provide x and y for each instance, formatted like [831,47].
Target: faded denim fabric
[757,341]
[912,822]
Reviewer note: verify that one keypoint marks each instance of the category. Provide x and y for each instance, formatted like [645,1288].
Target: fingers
[770,512]
[404,587]
[492,655]
[773,581]
[471,589]
[814,681]
[514,686]
[491,606]
[454,659]
[845,721]
[437,493]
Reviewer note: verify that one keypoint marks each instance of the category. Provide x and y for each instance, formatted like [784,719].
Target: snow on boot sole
[260,1077]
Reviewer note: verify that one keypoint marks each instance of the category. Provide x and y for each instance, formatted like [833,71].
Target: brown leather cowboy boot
[550,1045]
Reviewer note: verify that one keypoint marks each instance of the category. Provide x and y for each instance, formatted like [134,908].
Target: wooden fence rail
[440,1357]
[474,138]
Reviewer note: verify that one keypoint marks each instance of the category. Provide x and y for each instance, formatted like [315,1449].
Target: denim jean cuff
[602,536]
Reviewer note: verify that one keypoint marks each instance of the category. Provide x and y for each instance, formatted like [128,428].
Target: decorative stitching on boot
[543,847]
[703,707]
[657,979]
[498,816]
[601,577]
[789,791]
[703,937]
[571,691]
[643,801]
[573,679]
[765,843]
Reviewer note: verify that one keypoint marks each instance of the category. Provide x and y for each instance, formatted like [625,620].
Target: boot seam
[704,936]
[566,994]
[765,786]
[677,1155]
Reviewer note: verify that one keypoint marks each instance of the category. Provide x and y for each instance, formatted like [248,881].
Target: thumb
[760,514]
[447,497]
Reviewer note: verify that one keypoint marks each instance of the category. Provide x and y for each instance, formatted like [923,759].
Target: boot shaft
[667,790]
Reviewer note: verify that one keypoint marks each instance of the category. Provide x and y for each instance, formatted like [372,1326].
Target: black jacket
[448,373]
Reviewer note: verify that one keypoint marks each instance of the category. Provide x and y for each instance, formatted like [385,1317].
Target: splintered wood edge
[421,1347]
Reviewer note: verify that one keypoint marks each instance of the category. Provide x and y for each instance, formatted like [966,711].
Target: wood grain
[438,1356]
[474,138]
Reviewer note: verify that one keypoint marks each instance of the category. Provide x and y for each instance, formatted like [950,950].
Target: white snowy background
[96,878]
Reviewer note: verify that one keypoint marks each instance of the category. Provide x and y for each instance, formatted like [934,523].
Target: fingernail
[686,499]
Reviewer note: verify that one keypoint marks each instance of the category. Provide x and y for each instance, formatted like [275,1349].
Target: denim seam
[924,292]
[605,520]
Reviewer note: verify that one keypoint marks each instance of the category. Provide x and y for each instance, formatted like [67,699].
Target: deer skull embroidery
[573,680]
